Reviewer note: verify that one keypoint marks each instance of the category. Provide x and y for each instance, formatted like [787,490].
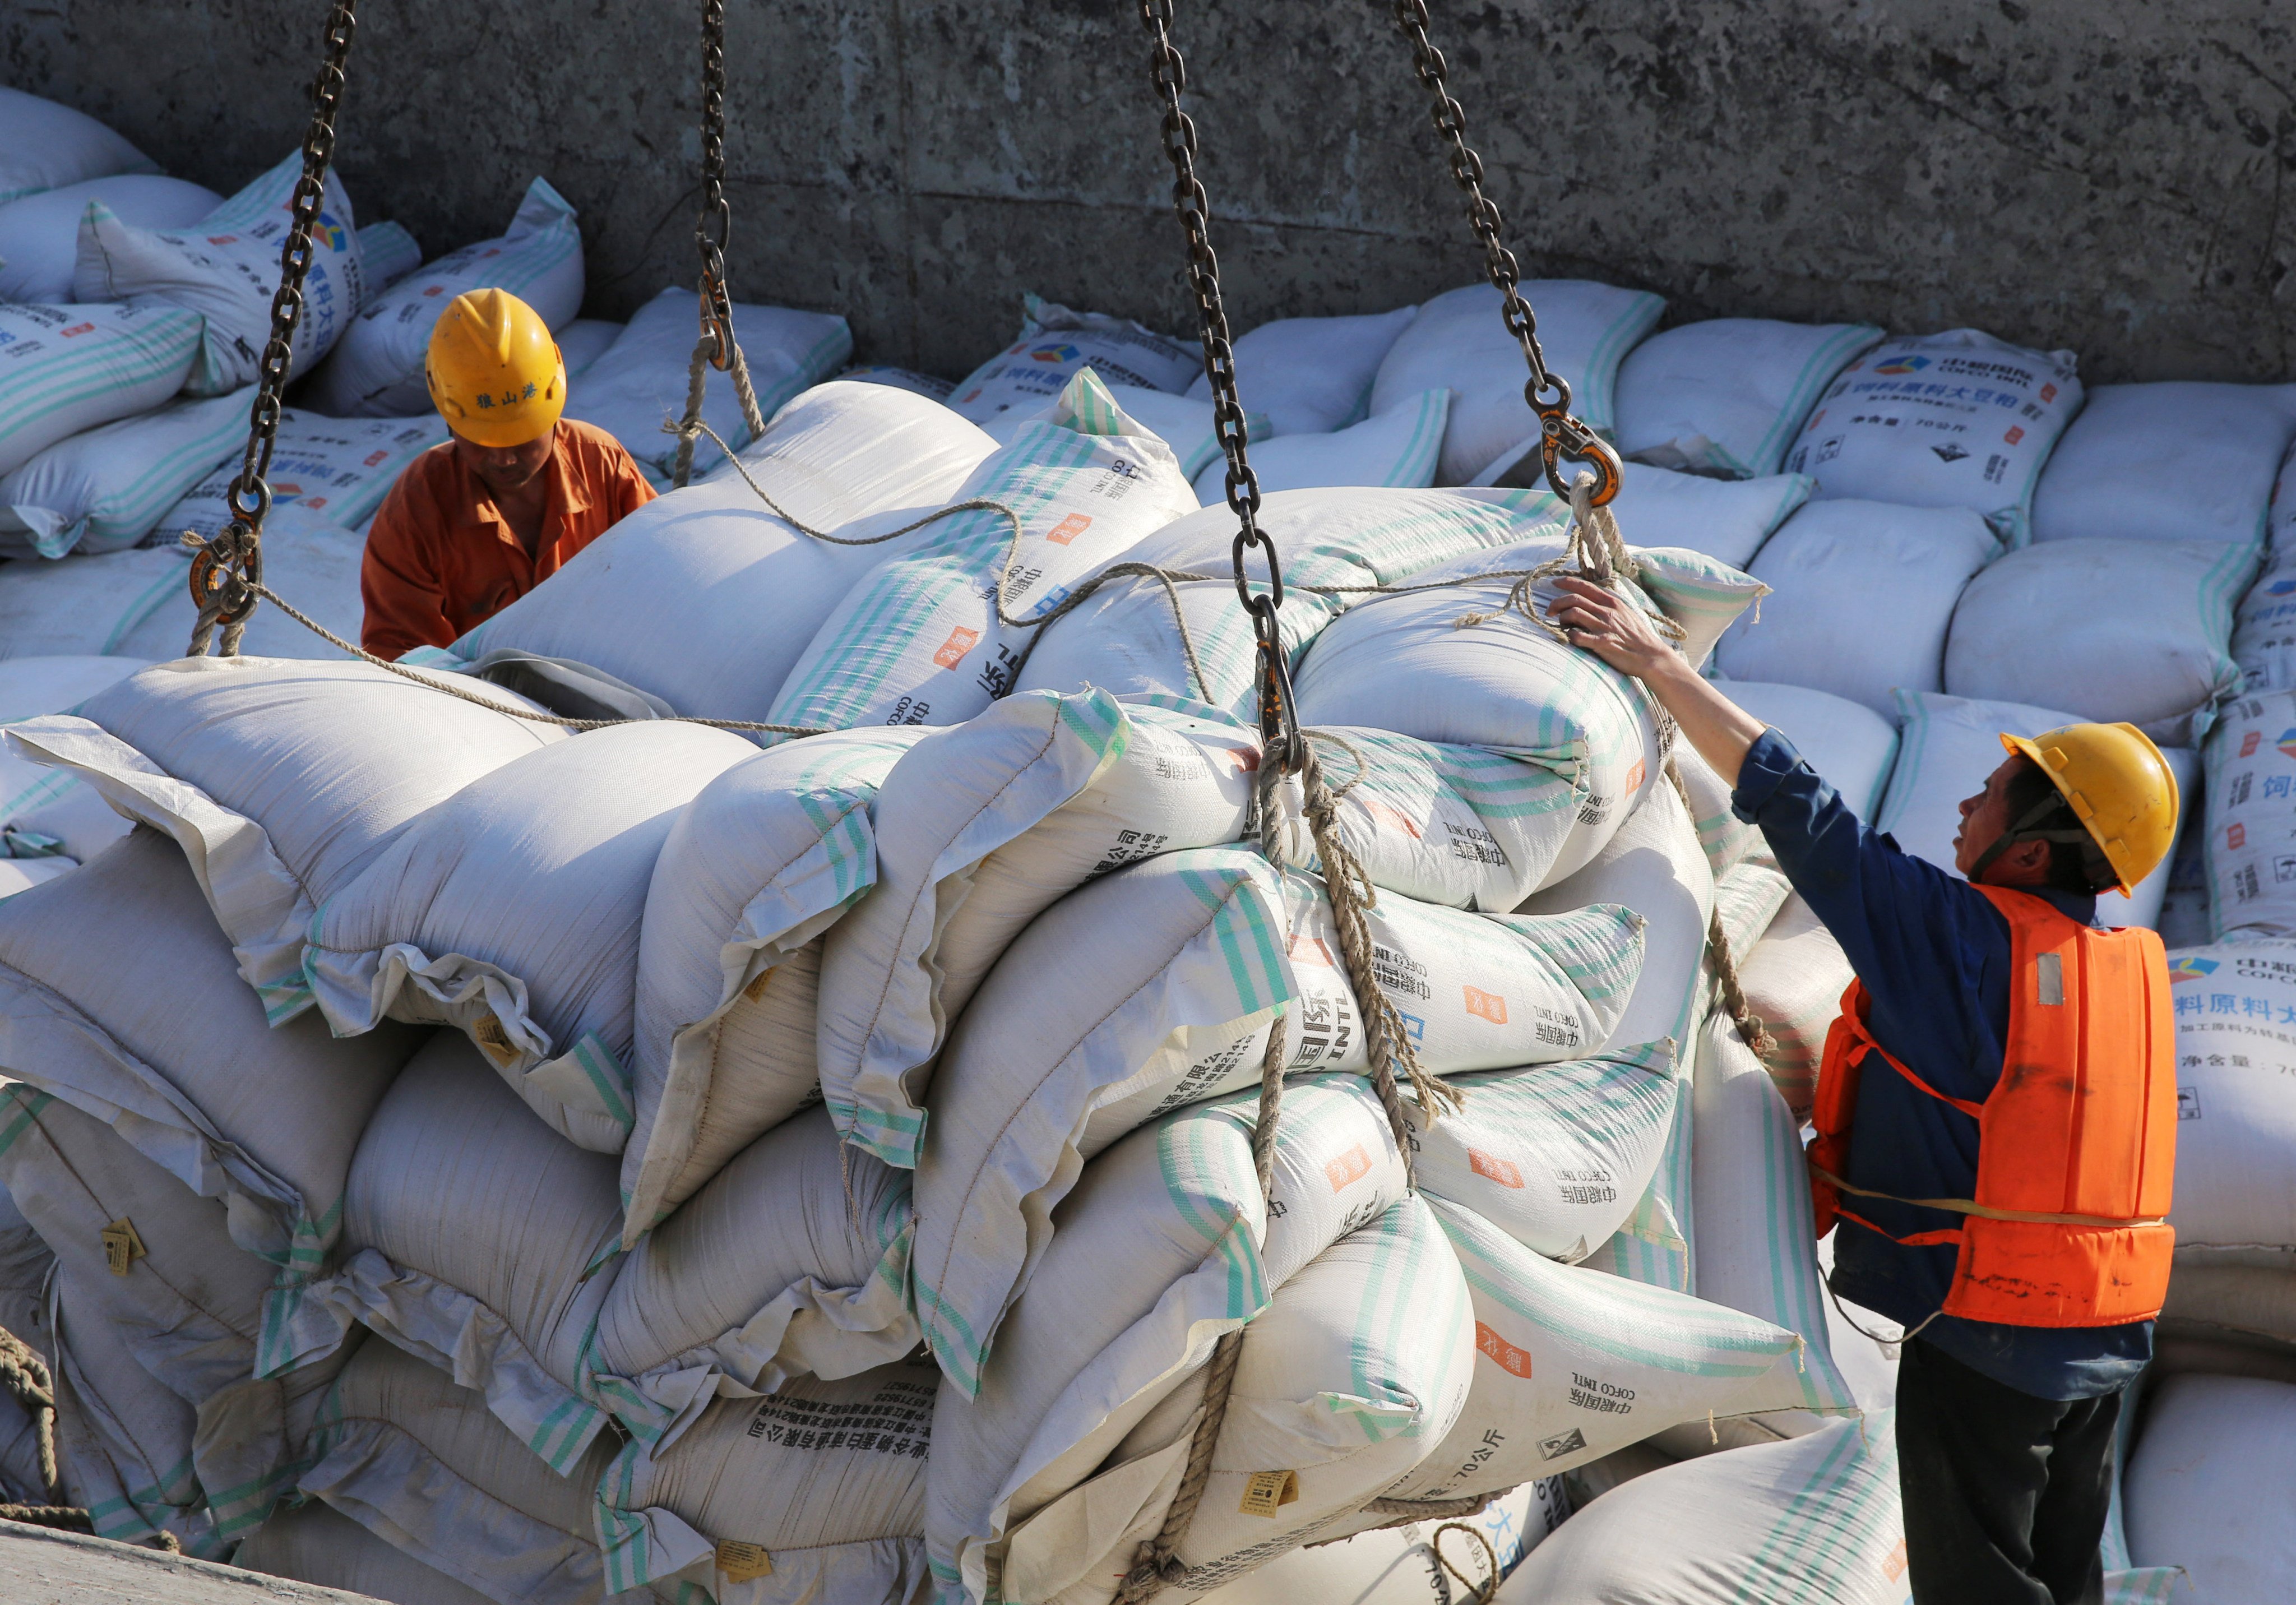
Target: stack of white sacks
[676,1168]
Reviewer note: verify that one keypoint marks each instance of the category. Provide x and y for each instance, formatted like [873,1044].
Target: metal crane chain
[1560,434]
[223,575]
[1279,723]
[713,231]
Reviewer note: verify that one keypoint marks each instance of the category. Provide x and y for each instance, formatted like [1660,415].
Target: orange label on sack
[2016,433]
[951,651]
[1310,950]
[1491,1166]
[1487,1005]
[1635,776]
[1349,1168]
[2236,835]
[1396,818]
[2250,742]
[1893,1565]
[1507,1356]
[1069,528]
[1267,1492]
[1246,761]
[741,1562]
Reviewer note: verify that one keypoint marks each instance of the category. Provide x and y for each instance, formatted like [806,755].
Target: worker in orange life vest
[1995,1114]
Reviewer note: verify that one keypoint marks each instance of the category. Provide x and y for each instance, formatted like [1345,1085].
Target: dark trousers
[2004,1494]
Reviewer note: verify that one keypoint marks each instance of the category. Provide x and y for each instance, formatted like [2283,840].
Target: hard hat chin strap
[2023,830]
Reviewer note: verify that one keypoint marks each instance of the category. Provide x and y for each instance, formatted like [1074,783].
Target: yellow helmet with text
[496,374]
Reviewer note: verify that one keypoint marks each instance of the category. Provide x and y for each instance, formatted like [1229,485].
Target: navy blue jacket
[1934,954]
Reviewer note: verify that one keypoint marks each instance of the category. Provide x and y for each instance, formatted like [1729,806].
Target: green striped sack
[66,369]
[110,487]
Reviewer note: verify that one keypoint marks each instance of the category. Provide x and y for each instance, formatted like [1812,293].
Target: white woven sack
[69,368]
[1197,951]
[1851,746]
[1185,423]
[1754,1248]
[1948,748]
[23,875]
[583,340]
[1953,420]
[1312,375]
[2134,630]
[177,1059]
[280,780]
[1165,1244]
[1554,1154]
[1793,980]
[2249,835]
[123,1442]
[2235,1194]
[48,811]
[2205,1487]
[814,1493]
[924,638]
[980,828]
[2168,462]
[336,467]
[39,235]
[639,382]
[419,1463]
[49,145]
[26,1265]
[1726,519]
[312,1543]
[1654,865]
[793,1261]
[83,607]
[108,487]
[1728,840]
[376,370]
[1189,638]
[388,254]
[763,861]
[1747,896]
[1862,598]
[932,386]
[1460,341]
[1055,344]
[1570,1365]
[225,268]
[310,559]
[511,911]
[1395,446]
[188,1307]
[1406,1565]
[1727,395]
[1347,1382]
[2264,630]
[704,597]
[475,1238]
[1813,1522]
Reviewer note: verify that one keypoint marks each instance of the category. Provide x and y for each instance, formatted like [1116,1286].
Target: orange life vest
[2076,1144]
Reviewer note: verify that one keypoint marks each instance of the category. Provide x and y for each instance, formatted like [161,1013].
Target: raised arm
[1621,635]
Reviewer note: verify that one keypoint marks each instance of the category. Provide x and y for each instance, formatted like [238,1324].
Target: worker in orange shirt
[477,522]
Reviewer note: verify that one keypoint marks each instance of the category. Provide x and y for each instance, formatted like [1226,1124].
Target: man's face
[506,470]
[1983,817]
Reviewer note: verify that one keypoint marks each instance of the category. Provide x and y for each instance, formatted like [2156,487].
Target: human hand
[1612,628]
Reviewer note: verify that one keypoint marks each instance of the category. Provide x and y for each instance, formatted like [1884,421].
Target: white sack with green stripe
[1056,343]
[226,269]
[1754,1248]
[49,144]
[1570,1365]
[793,1260]
[1728,840]
[1847,743]
[185,1317]
[280,780]
[510,911]
[308,559]
[1727,395]
[1655,866]
[922,639]
[1154,988]
[1555,1155]
[377,368]
[178,1059]
[1793,980]
[334,467]
[109,487]
[1165,1244]
[2235,1010]
[1396,448]
[1391,1565]
[757,867]
[26,1266]
[1192,640]
[67,369]
[1727,520]
[87,607]
[2207,1484]
[46,811]
[123,1441]
[1312,374]
[638,383]
[1348,1382]
[417,1461]
[704,597]
[980,827]
[1813,1522]
[311,1542]
[39,235]
[826,1478]
[1747,896]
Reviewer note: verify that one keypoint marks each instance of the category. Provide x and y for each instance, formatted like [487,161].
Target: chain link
[223,578]
[1561,433]
[1278,720]
[713,230]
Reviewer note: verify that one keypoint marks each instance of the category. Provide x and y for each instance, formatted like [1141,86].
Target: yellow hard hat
[2120,789]
[495,375]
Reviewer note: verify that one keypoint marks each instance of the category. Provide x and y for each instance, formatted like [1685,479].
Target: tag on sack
[122,1248]
[1265,1492]
[742,1561]
[488,1032]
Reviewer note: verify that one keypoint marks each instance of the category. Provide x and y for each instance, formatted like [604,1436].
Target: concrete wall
[2105,175]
